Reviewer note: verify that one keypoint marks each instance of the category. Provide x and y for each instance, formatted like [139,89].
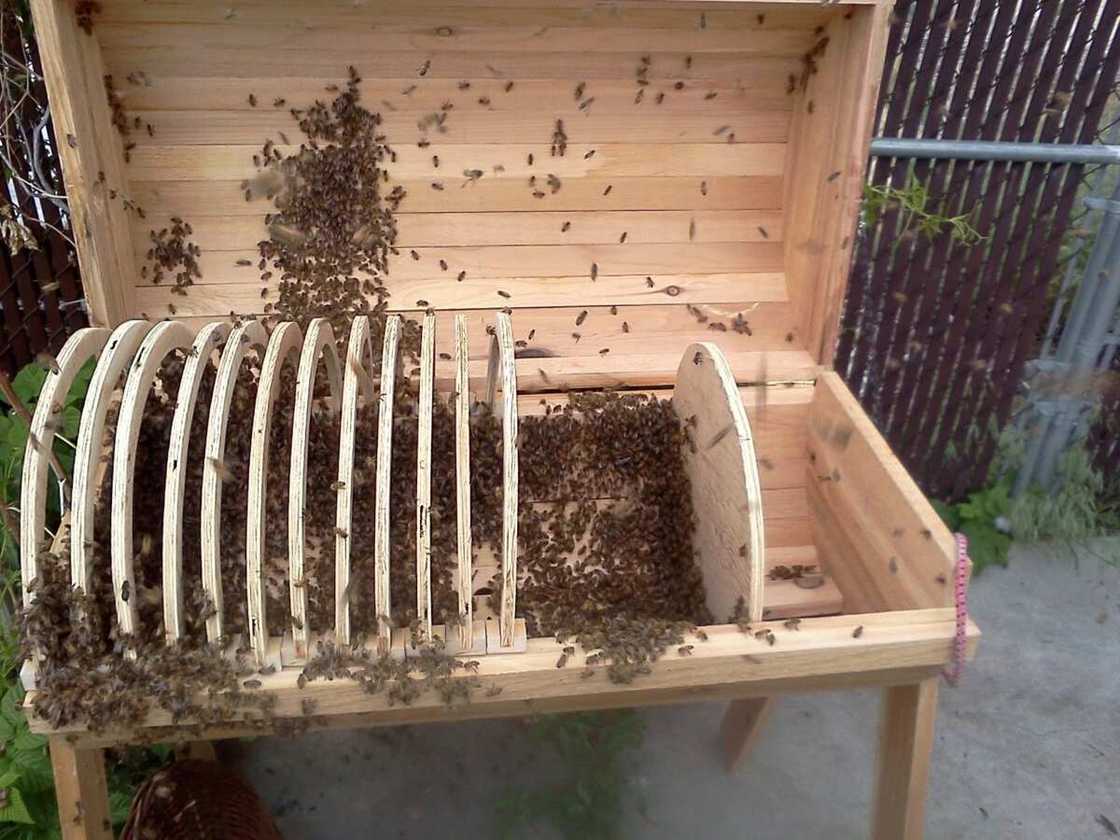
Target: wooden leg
[741,725]
[82,792]
[906,739]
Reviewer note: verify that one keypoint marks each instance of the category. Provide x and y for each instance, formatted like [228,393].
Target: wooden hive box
[736,178]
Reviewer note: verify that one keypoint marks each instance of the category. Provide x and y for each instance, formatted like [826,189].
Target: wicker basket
[198,800]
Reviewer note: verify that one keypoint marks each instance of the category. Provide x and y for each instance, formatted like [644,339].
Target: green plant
[586,802]
[1070,511]
[27,801]
[918,214]
[980,520]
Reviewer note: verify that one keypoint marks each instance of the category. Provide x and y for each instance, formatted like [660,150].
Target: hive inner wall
[704,218]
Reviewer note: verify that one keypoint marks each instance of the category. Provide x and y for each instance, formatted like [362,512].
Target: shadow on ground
[1027,747]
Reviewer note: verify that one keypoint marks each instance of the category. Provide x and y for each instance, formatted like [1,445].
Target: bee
[625,327]
[688,62]
[660,97]
[435,161]
[438,186]
[443,265]
[639,96]
[685,650]
[408,90]
[622,239]
[710,95]
[594,271]
[342,532]
[604,351]
[701,635]
[576,336]
[484,101]
[703,188]
[422,304]
[793,624]
[425,67]
[562,662]
[126,591]
[833,176]
[649,283]
[336,486]
[581,317]
[564,228]
[464,85]
[252,100]
[720,435]
[857,632]
[607,191]
[462,275]
[504,293]
[509,86]
[691,229]
[251,684]
[583,106]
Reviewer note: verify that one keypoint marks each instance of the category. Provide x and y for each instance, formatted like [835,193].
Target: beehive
[712,174]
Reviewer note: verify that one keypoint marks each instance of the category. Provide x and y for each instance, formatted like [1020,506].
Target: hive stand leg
[906,739]
[82,792]
[742,723]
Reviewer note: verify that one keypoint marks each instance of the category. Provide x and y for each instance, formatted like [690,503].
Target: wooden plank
[548,332]
[611,160]
[741,725]
[892,648]
[318,345]
[463,482]
[284,343]
[502,350]
[478,291]
[456,13]
[762,88]
[215,196]
[424,476]
[688,266]
[207,340]
[906,741]
[517,40]
[244,337]
[356,384]
[164,338]
[114,360]
[900,540]
[476,124]
[81,790]
[91,156]
[389,364]
[84,345]
[862,592]
[830,137]
[726,496]
[231,61]
[435,230]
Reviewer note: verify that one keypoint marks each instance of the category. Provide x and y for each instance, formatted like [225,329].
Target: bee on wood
[594,271]
[625,327]
[581,317]
[649,283]
[425,67]
[622,239]
[793,624]
[437,185]
[126,591]
[685,650]
[564,228]
[504,293]
[660,97]
[710,95]
[589,155]
[607,191]
[857,632]
[462,275]
[252,100]
[562,662]
[443,265]
[691,229]
[509,86]
[464,85]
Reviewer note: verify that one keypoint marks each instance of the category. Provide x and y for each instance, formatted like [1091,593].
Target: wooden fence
[935,333]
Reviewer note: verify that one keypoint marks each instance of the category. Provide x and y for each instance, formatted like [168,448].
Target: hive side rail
[82,346]
[115,359]
[317,344]
[165,338]
[511,633]
[424,477]
[356,384]
[285,342]
[463,482]
[243,337]
[209,338]
[385,403]
[723,472]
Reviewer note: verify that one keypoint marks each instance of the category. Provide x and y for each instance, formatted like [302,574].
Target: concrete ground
[1027,747]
